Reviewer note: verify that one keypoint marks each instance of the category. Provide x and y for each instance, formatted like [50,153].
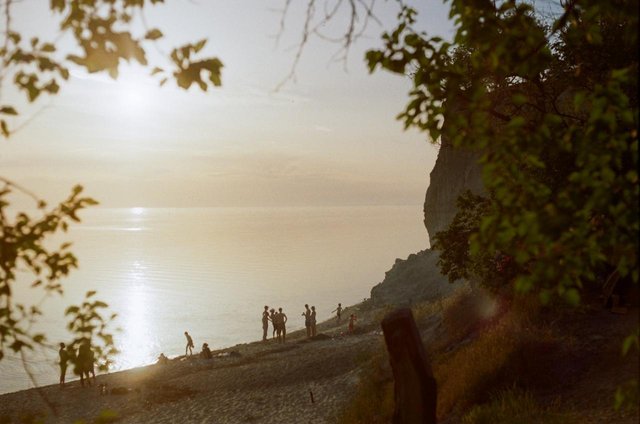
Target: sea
[211,271]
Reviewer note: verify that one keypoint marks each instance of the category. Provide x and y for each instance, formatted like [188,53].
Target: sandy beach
[316,380]
[253,382]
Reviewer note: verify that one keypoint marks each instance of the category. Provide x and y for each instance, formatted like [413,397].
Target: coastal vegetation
[550,105]
[104,37]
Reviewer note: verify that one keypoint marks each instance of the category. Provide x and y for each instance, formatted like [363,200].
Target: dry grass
[464,375]
[487,352]
[372,402]
[514,406]
[487,345]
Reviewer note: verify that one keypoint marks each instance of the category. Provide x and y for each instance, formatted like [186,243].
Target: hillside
[567,366]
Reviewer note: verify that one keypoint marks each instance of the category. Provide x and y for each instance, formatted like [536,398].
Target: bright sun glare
[137,343]
[133,101]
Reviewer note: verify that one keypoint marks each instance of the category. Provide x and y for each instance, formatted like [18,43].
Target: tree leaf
[8,110]
[153,34]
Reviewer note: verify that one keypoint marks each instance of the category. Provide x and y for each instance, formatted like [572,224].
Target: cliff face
[455,171]
[418,278]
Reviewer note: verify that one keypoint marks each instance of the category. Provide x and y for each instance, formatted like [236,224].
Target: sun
[134,100]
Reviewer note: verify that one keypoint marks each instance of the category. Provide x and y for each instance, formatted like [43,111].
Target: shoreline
[278,378]
[295,335]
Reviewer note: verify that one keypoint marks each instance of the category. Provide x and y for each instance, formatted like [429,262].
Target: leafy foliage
[25,251]
[556,124]
[104,36]
[91,327]
[627,394]
[553,109]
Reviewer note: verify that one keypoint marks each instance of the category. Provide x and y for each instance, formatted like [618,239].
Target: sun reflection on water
[137,346]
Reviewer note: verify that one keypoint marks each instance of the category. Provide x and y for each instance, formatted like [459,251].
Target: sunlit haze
[328,137]
[215,203]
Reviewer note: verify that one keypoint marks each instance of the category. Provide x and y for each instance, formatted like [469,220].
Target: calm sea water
[210,271]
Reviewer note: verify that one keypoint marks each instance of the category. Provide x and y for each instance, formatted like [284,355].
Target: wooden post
[415,388]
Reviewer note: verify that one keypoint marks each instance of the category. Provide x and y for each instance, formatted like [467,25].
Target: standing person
[190,344]
[274,321]
[313,321]
[265,323]
[338,311]
[91,364]
[282,318]
[307,319]
[352,322]
[64,358]
[277,325]
[83,363]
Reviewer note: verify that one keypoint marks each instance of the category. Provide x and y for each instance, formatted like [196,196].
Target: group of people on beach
[205,353]
[279,321]
[84,360]
[352,317]
[310,320]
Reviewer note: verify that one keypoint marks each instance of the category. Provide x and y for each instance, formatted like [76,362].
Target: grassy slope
[502,362]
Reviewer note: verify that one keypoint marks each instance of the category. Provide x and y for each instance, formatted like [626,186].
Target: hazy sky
[329,138]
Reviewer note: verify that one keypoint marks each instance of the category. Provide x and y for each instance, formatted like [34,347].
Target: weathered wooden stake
[415,388]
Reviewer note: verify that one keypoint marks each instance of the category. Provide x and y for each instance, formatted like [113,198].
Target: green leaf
[199,45]
[8,110]
[72,310]
[572,296]
[629,342]
[153,34]
[4,128]
[48,48]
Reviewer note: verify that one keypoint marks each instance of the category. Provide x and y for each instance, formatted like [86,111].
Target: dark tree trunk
[415,387]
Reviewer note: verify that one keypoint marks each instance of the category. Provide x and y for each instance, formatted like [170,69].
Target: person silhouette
[91,364]
[312,320]
[206,352]
[162,359]
[274,321]
[189,346]
[352,323]
[84,363]
[265,323]
[64,359]
[307,319]
[338,311]
[282,326]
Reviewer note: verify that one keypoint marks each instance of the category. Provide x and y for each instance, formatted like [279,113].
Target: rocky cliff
[455,171]
[415,279]
[418,278]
